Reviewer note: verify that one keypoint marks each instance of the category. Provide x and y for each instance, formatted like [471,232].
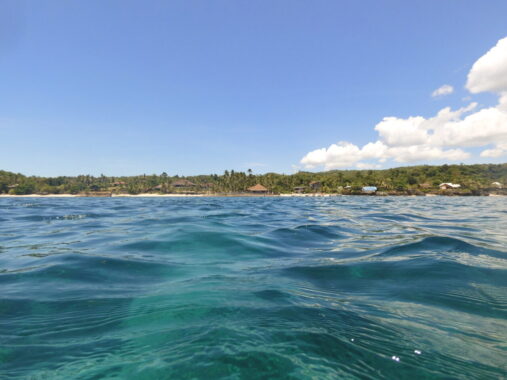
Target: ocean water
[253,288]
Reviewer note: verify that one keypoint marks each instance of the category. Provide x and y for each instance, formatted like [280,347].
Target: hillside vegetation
[474,179]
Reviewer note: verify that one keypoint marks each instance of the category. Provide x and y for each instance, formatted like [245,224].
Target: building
[369,189]
[207,185]
[299,189]
[449,185]
[498,185]
[258,189]
[315,185]
[182,183]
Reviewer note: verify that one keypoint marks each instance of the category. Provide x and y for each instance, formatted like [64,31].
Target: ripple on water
[345,287]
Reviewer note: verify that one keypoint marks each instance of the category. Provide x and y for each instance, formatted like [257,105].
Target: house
[449,185]
[315,185]
[258,189]
[299,189]
[182,183]
[498,185]
[13,186]
[369,189]
[159,187]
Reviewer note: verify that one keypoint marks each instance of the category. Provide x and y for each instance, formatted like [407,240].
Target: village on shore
[446,180]
[186,188]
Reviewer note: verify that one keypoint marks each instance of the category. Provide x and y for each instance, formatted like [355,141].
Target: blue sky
[189,87]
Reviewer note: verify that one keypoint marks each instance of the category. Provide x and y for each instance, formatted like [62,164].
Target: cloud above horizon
[446,89]
[443,137]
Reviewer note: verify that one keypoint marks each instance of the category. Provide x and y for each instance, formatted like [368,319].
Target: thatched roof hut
[258,189]
[182,183]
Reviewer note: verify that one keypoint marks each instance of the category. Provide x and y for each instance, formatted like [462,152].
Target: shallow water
[324,288]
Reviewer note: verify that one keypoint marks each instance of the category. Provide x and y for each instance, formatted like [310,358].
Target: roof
[182,182]
[257,187]
[369,188]
[314,183]
[449,184]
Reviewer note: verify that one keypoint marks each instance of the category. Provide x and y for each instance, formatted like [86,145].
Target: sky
[189,87]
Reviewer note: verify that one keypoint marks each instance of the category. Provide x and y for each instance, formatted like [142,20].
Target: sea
[346,287]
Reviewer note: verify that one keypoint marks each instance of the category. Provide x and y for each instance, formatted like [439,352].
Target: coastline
[288,195]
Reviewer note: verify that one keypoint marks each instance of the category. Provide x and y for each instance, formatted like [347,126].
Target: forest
[474,180]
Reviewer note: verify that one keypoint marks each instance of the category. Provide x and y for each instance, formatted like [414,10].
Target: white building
[449,185]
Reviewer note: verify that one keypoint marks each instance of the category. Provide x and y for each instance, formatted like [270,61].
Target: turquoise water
[253,288]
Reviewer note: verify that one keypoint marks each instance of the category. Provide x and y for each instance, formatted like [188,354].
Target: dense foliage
[404,179]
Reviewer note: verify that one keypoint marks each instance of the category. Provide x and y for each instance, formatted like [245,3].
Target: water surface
[251,288]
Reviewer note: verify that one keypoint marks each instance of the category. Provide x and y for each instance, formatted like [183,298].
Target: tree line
[472,178]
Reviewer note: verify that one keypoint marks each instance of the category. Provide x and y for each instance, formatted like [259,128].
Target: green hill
[474,179]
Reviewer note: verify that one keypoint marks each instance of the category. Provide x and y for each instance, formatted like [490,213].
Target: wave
[253,288]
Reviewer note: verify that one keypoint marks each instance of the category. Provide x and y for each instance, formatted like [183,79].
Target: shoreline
[289,195]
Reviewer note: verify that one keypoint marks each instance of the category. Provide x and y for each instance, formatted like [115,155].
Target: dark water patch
[308,235]
[441,245]
[272,295]
[77,276]
[391,217]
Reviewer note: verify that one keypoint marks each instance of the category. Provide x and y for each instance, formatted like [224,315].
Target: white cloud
[446,89]
[402,132]
[417,153]
[487,126]
[439,138]
[367,165]
[339,155]
[344,155]
[489,73]
[496,152]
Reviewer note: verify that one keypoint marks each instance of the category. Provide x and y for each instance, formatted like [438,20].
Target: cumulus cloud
[442,137]
[489,73]
[444,90]
[367,165]
[496,152]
